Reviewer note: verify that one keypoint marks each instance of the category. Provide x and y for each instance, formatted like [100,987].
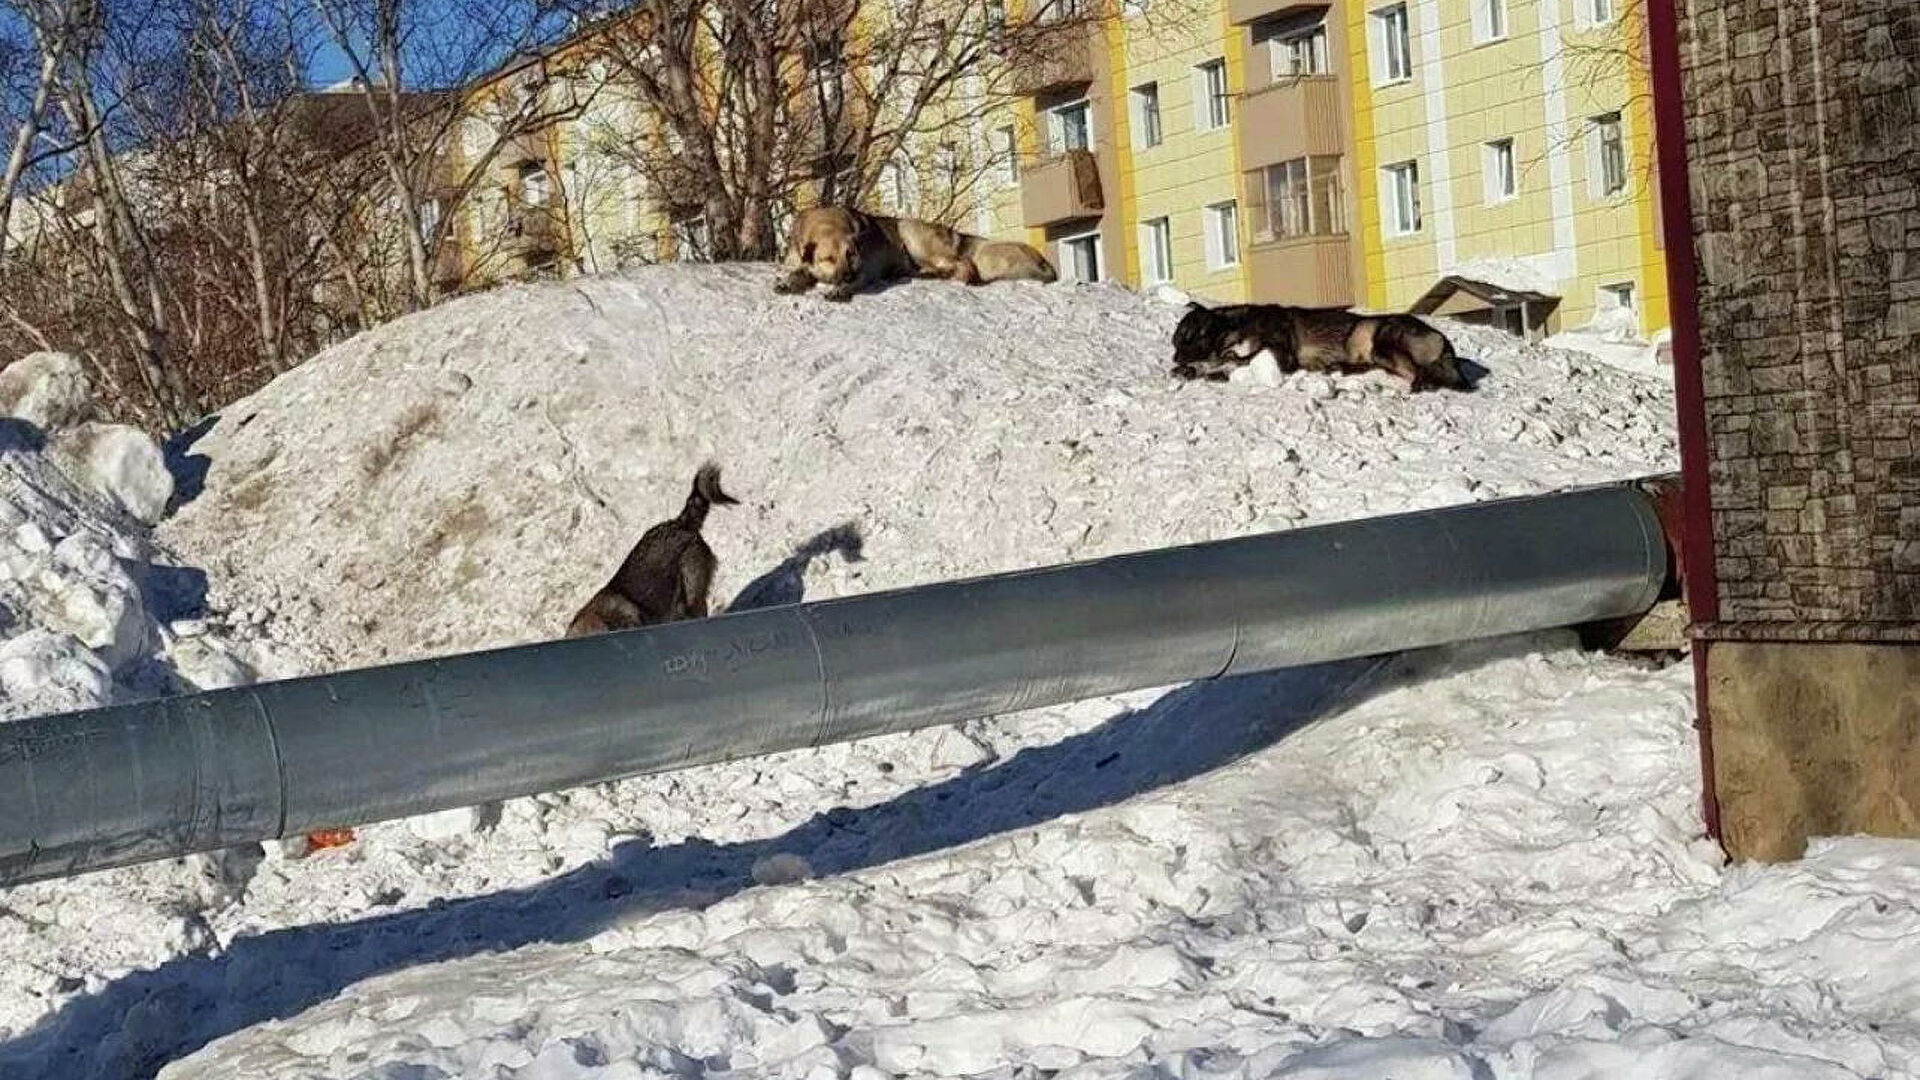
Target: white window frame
[430,210]
[1147,120]
[1057,126]
[536,185]
[1596,12]
[1156,250]
[1391,52]
[1490,21]
[1070,269]
[1620,294]
[1009,151]
[1212,96]
[1598,185]
[691,237]
[1221,225]
[1395,215]
[1500,171]
[1284,51]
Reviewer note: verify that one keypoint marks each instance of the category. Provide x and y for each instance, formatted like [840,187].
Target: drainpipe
[158,779]
[1676,220]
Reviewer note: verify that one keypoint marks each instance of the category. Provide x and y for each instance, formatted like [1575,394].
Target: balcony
[1048,59]
[533,231]
[1299,117]
[1304,271]
[1061,189]
[518,150]
[1242,12]
[449,265]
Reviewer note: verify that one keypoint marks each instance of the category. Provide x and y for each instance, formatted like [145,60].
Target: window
[1607,155]
[1302,52]
[429,218]
[1212,110]
[1009,151]
[1304,197]
[946,163]
[1134,9]
[692,239]
[1597,11]
[1070,127]
[1512,319]
[897,185]
[1392,48]
[1288,205]
[1497,164]
[1402,197]
[1156,244]
[996,16]
[1617,297]
[536,187]
[1146,114]
[829,83]
[1223,235]
[1489,21]
[1079,257]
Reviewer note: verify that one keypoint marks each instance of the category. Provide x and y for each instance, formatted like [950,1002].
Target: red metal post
[1670,140]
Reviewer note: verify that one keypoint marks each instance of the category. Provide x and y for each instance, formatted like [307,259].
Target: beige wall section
[1813,740]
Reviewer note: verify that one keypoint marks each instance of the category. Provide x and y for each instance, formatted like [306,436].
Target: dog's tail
[705,495]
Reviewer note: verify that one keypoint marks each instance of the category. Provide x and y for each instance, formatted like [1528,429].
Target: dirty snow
[1481,861]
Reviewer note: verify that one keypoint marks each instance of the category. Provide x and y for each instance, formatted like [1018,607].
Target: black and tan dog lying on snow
[1209,342]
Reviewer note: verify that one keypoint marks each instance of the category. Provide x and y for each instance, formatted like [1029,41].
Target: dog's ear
[1194,305]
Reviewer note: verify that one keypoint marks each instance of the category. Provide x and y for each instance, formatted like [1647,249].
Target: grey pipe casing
[157,779]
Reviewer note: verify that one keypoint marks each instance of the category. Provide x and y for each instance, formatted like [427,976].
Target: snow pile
[505,451]
[1477,862]
[50,393]
[91,613]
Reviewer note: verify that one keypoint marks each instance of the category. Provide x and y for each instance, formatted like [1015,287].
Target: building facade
[1358,153]
[1489,159]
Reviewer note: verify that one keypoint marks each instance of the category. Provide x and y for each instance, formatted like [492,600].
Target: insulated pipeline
[109,787]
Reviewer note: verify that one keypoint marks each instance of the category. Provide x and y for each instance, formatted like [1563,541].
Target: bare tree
[440,49]
[751,102]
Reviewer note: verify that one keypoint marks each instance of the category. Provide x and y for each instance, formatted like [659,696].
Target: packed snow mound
[1481,861]
[91,612]
[51,394]
[468,476]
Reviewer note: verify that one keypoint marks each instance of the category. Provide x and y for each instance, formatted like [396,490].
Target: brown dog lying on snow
[851,250]
[666,576]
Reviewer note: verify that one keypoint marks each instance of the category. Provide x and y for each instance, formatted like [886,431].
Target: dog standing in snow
[1210,341]
[666,576]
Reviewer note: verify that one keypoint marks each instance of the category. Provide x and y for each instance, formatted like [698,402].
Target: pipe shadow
[787,582]
[145,1019]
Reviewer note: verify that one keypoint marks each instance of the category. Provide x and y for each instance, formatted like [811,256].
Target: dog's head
[1199,336]
[834,256]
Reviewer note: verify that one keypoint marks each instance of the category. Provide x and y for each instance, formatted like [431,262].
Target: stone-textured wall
[1803,134]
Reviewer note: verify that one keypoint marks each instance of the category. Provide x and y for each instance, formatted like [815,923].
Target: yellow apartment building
[1484,158]
[1488,159]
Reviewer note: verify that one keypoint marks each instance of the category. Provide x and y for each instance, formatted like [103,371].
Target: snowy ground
[1481,861]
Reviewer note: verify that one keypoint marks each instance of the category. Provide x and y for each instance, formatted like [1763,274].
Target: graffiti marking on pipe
[733,656]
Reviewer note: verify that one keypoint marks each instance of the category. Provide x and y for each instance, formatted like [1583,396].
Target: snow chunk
[49,390]
[122,463]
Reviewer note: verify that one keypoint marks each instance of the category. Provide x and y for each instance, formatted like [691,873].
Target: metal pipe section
[157,779]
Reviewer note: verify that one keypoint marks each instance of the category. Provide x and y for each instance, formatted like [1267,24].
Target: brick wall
[1803,133]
